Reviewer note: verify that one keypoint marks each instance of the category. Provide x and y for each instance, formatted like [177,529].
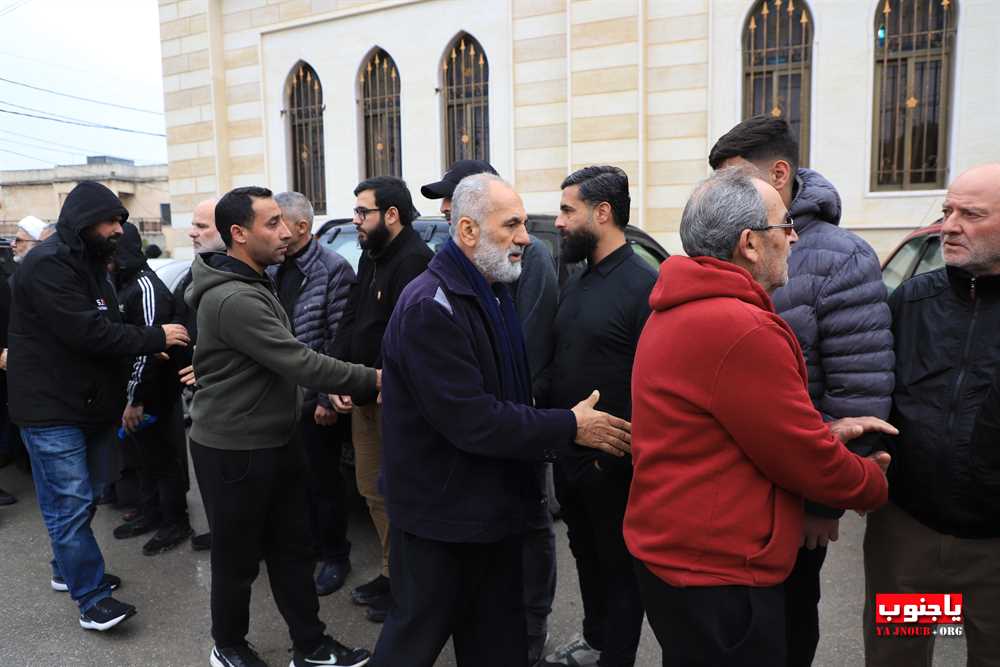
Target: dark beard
[98,247]
[578,246]
[377,238]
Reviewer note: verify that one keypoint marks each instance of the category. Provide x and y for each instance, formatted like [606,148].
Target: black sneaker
[201,542]
[140,526]
[59,584]
[106,614]
[365,593]
[235,656]
[166,538]
[332,575]
[378,608]
[331,652]
[7,498]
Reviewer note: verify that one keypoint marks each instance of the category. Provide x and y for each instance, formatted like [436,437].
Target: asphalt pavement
[171,591]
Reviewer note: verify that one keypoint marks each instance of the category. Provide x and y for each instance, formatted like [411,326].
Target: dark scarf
[515,379]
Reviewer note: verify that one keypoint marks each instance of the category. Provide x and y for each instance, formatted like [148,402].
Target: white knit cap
[33,226]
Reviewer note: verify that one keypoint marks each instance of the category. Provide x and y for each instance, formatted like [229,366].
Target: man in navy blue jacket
[459,438]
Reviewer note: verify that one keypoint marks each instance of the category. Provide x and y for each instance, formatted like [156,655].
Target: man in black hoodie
[393,256]
[68,354]
[152,394]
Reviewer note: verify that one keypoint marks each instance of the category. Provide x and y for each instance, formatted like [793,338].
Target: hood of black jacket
[211,269]
[129,258]
[816,199]
[86,205]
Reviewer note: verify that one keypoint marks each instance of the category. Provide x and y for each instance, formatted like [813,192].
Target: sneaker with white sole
[106,614]
[331,652]
[59,584]
[235,656]
[574,653]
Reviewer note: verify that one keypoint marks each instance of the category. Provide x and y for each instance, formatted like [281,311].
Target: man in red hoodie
[725,440]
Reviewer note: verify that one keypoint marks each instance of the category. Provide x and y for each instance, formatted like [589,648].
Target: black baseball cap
[446,186]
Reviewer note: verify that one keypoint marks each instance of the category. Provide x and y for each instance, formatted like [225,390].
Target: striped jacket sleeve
[141,309]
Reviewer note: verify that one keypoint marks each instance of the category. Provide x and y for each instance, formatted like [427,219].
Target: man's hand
[324,416]
[882,459]
[3,359]
[176,335]
[378,379]
[849,428]
[187,376]
[342,404]
[819,531]
[132,417]
[599,430]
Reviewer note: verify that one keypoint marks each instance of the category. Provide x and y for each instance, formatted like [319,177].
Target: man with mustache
[462,442]
[393,256]
[601,314]
[68,367]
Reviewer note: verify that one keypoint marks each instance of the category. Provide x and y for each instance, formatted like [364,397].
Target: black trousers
[469,592]
[593,508]
[802,607]
[715,626]
[257,510]
[328,509]
[162,470]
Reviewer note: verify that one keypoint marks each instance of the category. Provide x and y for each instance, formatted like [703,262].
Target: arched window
[465,77]
[777,65]
[379,81]
[914,42]
[304,97]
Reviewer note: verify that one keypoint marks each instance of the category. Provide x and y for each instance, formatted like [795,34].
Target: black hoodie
[145,302]
[69,351]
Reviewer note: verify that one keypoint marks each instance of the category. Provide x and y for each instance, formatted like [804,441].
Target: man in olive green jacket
[249,368]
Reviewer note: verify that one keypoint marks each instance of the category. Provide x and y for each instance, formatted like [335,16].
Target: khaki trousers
[903,555]
[366,433]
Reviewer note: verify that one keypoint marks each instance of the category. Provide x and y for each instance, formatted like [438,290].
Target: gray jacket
[835,302]
[321,302]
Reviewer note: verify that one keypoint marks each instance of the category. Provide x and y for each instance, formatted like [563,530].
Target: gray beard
[494,262]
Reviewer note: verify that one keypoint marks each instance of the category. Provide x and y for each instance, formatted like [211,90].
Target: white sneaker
[574,653]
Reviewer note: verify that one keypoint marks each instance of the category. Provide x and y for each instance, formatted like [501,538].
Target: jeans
[66,492]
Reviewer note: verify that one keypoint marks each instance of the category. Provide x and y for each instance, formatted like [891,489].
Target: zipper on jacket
[956,394]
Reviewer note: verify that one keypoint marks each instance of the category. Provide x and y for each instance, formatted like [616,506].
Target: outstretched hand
[599,430]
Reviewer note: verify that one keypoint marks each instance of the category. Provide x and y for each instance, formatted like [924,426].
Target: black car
[341,236]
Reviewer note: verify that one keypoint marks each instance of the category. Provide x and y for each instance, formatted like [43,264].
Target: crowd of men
[706,426]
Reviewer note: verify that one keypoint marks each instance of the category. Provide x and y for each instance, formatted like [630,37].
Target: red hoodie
[725,440]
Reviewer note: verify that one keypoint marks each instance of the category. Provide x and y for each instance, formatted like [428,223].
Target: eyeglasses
[15,241]
[788,226]
[360,213]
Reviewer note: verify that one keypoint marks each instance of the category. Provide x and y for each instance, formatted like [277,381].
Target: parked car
[342,236]
[170,271]
[919,252]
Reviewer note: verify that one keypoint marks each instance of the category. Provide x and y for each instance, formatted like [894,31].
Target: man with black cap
[536,296]
[68,365]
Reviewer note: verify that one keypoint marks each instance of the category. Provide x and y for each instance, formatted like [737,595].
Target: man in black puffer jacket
[313,285]
[152,393]
[835,302]
[939,533]
[67,369]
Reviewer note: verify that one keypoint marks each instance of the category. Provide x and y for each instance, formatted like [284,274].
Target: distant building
[41,192]
[890,97]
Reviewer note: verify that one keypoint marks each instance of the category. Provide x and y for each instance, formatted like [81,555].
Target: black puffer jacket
[946,326]
[986,452]
[68,348]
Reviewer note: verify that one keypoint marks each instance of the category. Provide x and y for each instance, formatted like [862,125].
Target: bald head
[971,230]
[203,234]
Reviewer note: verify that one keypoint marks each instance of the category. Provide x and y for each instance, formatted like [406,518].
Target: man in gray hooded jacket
[835,302]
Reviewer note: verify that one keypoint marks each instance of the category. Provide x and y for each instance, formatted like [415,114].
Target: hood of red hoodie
[686,279]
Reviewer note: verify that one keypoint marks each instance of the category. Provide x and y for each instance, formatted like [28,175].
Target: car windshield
[346,245]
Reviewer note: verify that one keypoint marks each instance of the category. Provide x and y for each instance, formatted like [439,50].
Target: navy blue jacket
[457,459]
[835,302]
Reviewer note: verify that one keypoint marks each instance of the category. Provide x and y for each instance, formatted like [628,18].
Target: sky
[104,50]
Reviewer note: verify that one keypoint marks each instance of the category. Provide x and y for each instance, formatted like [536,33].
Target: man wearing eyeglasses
[725,440]
[393,256]
[835,302]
